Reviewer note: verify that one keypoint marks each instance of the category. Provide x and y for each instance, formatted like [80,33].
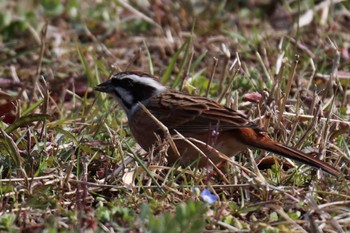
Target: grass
[69,163]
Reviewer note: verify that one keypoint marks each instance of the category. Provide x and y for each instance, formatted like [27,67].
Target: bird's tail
[261,141]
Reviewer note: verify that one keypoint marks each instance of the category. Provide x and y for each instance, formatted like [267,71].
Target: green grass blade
[198,61]
[32,107]
[25,121]
[87,69]
[150,62]
[67,134]
[170,68]
[184,61]
[11,148]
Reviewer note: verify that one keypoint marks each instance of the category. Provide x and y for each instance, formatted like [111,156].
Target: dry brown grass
[69,163]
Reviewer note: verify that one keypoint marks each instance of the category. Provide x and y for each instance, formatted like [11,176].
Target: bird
[216,129]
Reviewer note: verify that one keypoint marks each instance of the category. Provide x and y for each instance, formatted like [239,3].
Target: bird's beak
[106,87]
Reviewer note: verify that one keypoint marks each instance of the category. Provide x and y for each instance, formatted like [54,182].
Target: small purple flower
[208,197]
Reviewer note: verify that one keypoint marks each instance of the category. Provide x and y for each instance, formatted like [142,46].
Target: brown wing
[195,114]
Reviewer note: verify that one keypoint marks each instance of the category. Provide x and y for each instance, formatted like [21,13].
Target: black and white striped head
[130,88]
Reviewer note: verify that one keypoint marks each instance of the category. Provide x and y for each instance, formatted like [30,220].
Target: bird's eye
[125,82]
[128,82]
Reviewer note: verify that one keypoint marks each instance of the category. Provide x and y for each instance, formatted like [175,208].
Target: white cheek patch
[125,97]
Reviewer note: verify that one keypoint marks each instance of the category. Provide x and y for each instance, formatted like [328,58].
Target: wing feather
[195,114]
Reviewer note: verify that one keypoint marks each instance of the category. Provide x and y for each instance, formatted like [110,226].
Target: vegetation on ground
[68,162]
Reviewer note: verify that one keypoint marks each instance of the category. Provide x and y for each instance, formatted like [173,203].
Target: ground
[69,163]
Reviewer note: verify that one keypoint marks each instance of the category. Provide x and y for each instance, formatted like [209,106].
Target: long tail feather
[264,142]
